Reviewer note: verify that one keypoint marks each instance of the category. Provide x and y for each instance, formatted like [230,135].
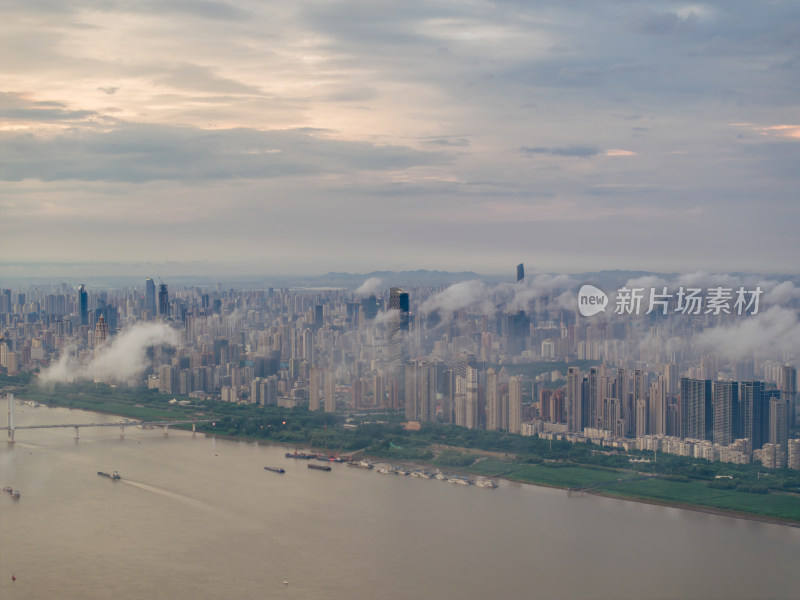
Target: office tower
[398,331]
[83,304]
[753,414]
[163,302]
[695,409]
[788,390]
[150,297]
[520,272]
[369,306]
[472,399]
[494,413]
[574,400]
[726,412]
[518,329]
[514,404]
[318,317]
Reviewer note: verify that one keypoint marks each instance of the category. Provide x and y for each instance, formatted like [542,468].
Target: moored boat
[319,467]
[301,455]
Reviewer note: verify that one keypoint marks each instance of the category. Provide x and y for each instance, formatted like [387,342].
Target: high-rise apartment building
[696,416]
[726,412]
[515,404]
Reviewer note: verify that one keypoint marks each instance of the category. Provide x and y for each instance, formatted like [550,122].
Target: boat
[11,491]
[113,475]
[361,464]
[459,480]
[285,582]
[301,455]
[319,467]
[275,469]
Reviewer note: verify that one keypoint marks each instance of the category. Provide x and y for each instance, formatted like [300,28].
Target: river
[199,517]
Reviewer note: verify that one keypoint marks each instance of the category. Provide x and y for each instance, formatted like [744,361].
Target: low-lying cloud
[124,356]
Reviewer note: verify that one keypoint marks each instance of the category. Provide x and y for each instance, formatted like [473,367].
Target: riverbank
[562,472]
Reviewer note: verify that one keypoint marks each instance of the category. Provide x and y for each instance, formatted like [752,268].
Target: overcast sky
[316,136]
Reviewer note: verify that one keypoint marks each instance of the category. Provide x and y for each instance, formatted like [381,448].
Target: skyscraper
[695,409]
[494,410]
[574,403]
[789,394]
[515,404]
[753,413]
[398,332]
[520,272]
[163,302]
[726,412]
[83,303]
[150,297]
[100,334]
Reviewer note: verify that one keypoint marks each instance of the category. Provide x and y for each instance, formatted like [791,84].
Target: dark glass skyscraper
[163,301]
[83,303]
[150,296]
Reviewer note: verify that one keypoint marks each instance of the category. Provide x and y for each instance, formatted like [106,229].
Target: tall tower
[726,409]
[753,414]
[163,301]
[398,331]
[695,409]
[494,408]
[574,404]
[515,404]
[520,272]
[83,303]
[150,297]
[789,394]
[100,333]
[472,399]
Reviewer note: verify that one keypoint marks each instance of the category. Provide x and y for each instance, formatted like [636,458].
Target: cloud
[139,153]
[372,285]
[15,106]
[459,295]
[570,151]
[123,356]
[773,333]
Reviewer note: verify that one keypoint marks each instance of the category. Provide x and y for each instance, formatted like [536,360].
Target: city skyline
[569,137]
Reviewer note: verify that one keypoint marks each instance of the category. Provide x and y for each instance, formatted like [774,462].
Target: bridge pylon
[10,398]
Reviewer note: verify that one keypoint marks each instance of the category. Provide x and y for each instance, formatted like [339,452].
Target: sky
[354,136]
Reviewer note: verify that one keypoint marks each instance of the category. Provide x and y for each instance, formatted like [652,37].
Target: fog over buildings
[672,367]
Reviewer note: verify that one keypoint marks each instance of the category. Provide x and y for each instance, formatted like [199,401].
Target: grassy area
[695,493]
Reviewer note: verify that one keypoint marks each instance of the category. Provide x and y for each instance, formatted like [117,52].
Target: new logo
[591,300]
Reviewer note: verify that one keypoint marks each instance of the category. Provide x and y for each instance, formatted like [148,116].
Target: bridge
[12,427]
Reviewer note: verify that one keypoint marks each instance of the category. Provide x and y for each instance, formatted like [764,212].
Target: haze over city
[241,137]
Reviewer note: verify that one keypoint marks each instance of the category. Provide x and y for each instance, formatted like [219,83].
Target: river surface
[199,517]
